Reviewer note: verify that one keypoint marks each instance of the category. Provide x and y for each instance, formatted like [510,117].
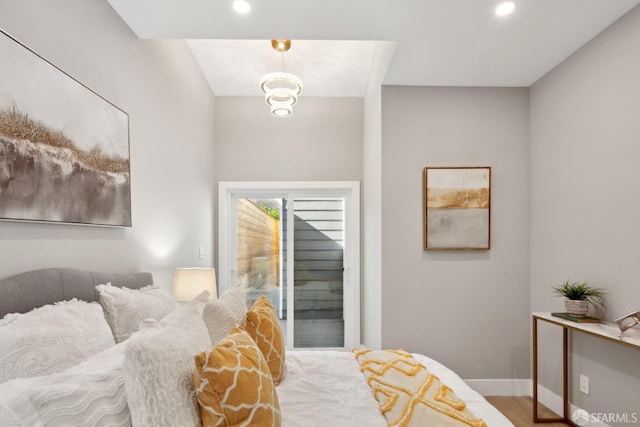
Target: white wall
[585,133]
[469,310]
[321,141]
[371,292]
[171,112]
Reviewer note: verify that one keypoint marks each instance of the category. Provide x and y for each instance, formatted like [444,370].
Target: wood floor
[519,410]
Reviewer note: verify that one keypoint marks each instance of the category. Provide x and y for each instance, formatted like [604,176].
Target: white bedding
[320,388]
[326,388]
[89,394]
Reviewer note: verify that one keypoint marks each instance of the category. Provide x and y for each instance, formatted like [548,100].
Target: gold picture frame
[457,208]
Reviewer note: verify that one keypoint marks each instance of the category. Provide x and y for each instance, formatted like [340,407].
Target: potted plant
[578,296]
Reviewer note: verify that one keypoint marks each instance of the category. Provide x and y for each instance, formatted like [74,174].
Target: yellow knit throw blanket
[408,395]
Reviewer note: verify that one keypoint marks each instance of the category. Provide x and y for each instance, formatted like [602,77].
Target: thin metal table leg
[565,371]
[535,369]
[565,377]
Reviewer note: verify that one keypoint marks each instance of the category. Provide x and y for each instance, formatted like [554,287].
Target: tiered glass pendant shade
[281,89]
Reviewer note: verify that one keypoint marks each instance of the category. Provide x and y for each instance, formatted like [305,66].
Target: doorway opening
[298,245]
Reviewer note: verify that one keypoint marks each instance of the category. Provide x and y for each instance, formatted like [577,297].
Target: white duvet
[326,388]
[320,388]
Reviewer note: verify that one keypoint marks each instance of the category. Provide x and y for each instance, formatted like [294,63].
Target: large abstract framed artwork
[64,150]
[457,208]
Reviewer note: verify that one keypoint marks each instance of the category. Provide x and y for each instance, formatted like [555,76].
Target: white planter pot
[576,308]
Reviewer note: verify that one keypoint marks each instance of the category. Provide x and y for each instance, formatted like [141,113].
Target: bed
[318,388]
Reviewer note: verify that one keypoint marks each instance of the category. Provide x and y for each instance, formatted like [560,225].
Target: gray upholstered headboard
[26,291]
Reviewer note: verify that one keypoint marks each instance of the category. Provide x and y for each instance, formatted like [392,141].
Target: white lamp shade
[190,282]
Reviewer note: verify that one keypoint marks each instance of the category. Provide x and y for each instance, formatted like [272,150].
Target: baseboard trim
[556,404]
[525,388]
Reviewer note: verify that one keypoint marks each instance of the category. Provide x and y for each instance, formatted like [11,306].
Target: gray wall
[322,141]
[585,133]
[470,310]
[371,254]
[170,110]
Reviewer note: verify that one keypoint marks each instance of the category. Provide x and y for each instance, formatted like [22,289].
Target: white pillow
[89,394]
[159,363]
[222,314]
[51,338]
[124,308]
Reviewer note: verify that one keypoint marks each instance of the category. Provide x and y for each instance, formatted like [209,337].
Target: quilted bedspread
[408,395]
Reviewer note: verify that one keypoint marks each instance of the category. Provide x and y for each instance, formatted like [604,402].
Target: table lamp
[190,282]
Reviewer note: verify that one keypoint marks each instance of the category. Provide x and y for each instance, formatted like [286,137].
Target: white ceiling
[326,68]
[337,42]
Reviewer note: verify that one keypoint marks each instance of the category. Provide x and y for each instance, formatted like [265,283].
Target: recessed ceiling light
[505,8]
[241,6]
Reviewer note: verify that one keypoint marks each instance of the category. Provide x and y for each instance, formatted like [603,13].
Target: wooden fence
[258,248]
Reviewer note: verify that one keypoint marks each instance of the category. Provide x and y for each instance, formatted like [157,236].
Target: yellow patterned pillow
[234,386]
[264,327]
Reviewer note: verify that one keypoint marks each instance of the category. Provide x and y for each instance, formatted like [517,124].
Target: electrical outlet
[201,252]
[584,384]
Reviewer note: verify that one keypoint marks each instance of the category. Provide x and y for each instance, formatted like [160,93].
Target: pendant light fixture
[281,89]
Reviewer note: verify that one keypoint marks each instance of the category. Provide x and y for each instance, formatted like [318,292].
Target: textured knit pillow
[51,339]
[263,326]
[88,394]
[222,314]
[124,308]
[234,386]
[158,363]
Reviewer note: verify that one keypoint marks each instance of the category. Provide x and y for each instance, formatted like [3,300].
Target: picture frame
[457,208]
[64,149]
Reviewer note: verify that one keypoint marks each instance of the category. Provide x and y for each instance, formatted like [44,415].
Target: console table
[604,330]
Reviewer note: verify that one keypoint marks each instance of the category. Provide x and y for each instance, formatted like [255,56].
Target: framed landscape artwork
[64,150]
[457,207]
